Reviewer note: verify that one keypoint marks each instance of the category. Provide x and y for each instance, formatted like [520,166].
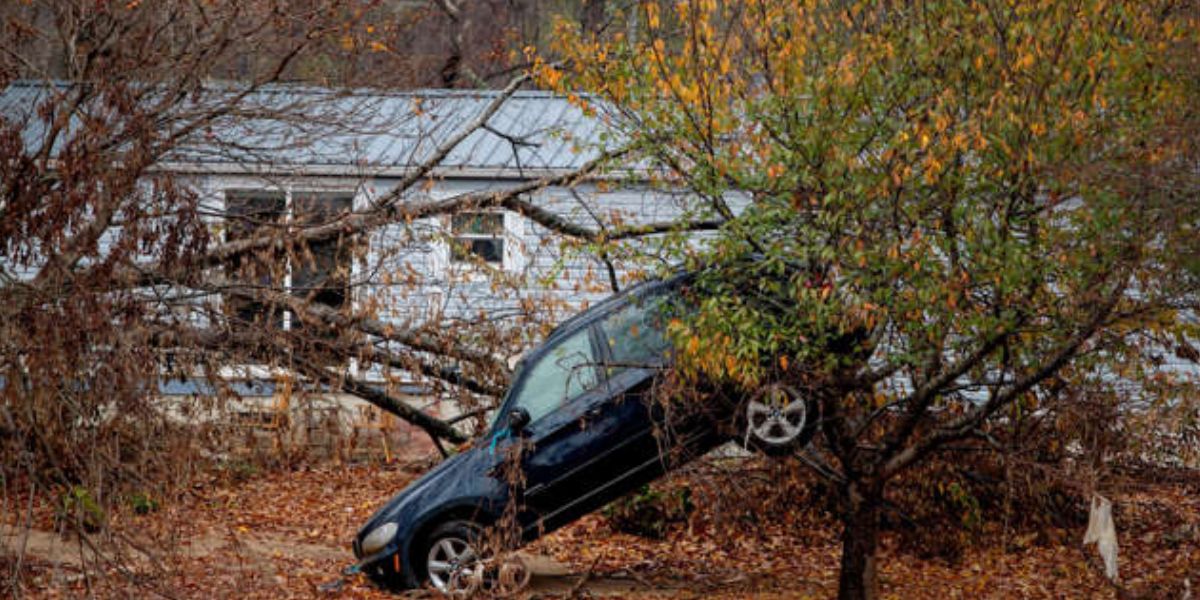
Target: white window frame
[289,192]
[501,235]
[469,265]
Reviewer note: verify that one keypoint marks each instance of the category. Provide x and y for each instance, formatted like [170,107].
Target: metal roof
[362,130]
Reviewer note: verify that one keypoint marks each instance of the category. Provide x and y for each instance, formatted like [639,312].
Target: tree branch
[224,340]
[436,428]
[964,425]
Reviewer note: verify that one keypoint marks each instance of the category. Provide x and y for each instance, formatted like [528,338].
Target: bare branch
[963,426]
[436,428]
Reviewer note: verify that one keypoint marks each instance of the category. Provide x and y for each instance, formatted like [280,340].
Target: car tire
[779,450]
[445,550]
[781,431]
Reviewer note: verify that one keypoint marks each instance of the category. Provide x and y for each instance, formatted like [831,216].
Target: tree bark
[860,539]
[592,15]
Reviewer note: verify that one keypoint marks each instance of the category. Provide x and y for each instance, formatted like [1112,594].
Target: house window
[477,236]
[318,271]
[321,271]
[247,214]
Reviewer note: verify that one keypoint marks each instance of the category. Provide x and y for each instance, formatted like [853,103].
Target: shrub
[651,511]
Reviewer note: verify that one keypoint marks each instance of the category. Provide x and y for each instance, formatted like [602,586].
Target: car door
[602,443]
[556,387]
[634,348]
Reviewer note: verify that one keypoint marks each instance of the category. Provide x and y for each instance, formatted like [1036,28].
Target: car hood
[441,479]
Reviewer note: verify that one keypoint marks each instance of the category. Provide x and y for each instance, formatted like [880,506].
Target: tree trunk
[860,538]
[592,15]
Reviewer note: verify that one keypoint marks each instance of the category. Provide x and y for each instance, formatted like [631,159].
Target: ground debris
[286,534]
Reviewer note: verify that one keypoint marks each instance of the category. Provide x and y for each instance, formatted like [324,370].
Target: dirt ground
[286,535]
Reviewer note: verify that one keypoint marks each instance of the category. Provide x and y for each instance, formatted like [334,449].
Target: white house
[303,153]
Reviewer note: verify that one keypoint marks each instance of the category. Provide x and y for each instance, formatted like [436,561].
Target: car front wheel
[451,557]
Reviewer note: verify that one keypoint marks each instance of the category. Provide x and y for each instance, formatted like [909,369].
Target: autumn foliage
[967,216]
[966,229]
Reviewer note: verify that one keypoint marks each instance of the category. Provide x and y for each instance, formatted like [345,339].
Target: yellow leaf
[652,15]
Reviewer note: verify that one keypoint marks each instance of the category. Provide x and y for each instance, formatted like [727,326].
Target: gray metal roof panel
[295,125]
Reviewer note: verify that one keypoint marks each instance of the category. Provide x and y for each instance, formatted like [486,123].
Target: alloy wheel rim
[449,558]
[777,416]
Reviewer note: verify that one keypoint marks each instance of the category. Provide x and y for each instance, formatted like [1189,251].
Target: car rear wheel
[779,420]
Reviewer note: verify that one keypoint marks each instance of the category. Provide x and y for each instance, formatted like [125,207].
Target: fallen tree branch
[224,340]
[436,428]
[314,312]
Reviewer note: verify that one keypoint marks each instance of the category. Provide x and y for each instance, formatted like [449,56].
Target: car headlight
[378,538]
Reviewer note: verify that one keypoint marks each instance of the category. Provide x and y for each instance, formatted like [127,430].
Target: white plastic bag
[1103,532]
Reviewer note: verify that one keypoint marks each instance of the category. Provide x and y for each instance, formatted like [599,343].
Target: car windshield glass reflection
[636,335]
[562,373]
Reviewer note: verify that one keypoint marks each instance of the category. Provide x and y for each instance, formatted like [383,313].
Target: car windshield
[562,372]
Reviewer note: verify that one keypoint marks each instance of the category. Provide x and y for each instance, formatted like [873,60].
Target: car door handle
[594,412]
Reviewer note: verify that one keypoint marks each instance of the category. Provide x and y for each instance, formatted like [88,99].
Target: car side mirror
[518,419]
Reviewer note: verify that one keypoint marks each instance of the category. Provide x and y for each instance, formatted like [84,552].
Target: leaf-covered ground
[286,534]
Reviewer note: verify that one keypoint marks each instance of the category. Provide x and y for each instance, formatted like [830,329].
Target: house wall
[408,276]
[408,270]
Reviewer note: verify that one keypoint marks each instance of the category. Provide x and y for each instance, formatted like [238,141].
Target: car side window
[564,372]
[636,334]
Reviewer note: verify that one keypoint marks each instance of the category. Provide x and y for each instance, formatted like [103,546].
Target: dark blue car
[580,405]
